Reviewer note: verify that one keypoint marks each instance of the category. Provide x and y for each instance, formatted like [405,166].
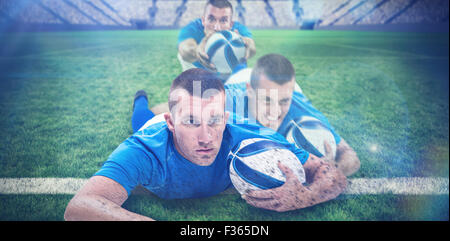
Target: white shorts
[155,119]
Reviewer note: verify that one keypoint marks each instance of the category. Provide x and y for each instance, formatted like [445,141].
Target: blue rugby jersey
[149,158]
[237,102]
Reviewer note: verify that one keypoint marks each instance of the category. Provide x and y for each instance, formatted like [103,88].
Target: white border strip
[356,186]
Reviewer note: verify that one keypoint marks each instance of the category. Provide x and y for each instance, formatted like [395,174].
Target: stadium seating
[385,12]
[256,13]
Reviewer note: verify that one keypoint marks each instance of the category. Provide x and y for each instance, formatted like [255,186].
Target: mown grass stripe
[356,186]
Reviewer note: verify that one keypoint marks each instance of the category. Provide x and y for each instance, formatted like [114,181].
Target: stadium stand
[418,13]
[194,9]
[146,14]
[240,11]
[387,12]
[257,15]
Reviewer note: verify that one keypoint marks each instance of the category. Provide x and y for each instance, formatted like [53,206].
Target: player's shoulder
[195,24]
[301,105]
[243,30]
[193,29]
[152,136]
[241,128]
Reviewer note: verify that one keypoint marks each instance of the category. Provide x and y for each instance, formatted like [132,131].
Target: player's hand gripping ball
[254,165]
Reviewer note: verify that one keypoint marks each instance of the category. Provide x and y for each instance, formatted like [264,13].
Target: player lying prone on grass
[269,95]
[185,156]
[217,16]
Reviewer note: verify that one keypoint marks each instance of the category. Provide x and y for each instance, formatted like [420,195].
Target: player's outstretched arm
[188,50]
[325,183]
[100,199]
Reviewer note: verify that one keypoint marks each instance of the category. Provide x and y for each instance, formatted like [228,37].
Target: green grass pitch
[66,102]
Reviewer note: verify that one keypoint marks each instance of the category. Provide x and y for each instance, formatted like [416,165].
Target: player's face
[216,19]
[197,125]
[270,102]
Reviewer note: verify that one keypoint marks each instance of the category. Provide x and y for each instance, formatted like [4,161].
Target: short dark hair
[275,67]
[220,4]
[207,81]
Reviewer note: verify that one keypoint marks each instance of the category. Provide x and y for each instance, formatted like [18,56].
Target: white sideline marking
[399,185]
[356,186]
[41,185]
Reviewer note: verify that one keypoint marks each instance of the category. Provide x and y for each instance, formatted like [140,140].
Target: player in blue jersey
[268,95]
[185,156]
[217,16]
[275,74]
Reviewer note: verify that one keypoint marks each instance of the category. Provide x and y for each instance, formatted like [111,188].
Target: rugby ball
[254,165]
[309,134]
[225,50]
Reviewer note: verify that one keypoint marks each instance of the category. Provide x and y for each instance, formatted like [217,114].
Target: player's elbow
[73,209]
[70,211]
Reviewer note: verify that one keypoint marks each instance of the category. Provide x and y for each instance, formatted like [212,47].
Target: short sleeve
[193,30]
[243,30]
[129,166]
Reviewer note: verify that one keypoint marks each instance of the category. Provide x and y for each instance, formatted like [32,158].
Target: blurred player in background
[217,16]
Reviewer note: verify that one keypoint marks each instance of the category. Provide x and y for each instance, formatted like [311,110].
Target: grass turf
[66,97]
[233,208]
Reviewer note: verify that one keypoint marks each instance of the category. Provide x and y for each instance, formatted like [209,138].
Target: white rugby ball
[309,134]
[225,50]
[254,165]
